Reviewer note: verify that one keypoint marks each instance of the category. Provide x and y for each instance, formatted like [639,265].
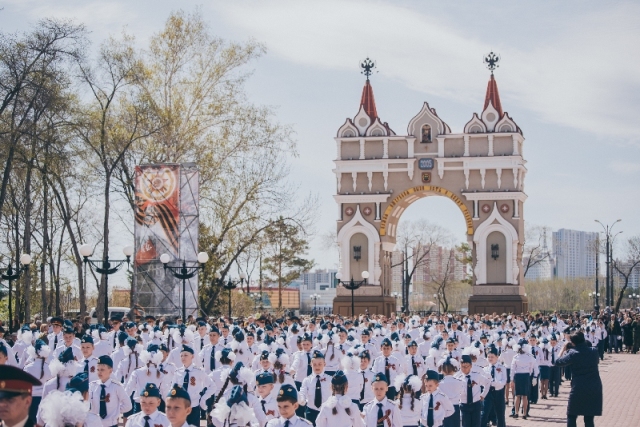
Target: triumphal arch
[380,173]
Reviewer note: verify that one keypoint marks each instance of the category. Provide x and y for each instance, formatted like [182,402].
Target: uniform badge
[281,392]
[437,406]
[271,412]
[107,398]
[146,393]
[93,369]
[173,392]
[193,381]
[499,369]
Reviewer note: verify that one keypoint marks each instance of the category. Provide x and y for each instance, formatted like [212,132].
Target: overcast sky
[569,77]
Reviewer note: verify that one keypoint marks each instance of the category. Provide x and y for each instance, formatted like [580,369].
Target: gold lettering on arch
[425,188]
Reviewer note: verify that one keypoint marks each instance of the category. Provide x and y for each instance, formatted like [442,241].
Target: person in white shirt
[339,410]
[178,406]
[366,392]
[39,368]
[316,388]
[287,405]
[88,362]
[267,399]
[506,357]
[381,411]
[69,338]
[522,366]
[477,387]
[389,365]
[149,416]
[452,387]
[108,398]
[436,406]
[554,371]
[101,344]
[413,363]
[195,382]
[408,399]
[494,400]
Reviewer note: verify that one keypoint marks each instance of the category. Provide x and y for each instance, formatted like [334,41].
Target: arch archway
[482,170]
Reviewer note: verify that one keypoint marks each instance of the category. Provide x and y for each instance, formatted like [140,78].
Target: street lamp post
[634,298]
[106,268]
[183,273]
[9,275]
[609,285]
[255,296]
[315,298]
[595,296]
[437,298]
[352,285]
[230,285]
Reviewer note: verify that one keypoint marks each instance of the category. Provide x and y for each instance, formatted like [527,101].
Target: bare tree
[626,268]
[535,247]
[415,240]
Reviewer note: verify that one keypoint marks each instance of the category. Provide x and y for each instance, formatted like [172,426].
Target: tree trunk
[45,246]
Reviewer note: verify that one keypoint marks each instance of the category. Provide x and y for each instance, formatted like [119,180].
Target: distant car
[113,311]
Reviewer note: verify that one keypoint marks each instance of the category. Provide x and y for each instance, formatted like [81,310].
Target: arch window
[426,134]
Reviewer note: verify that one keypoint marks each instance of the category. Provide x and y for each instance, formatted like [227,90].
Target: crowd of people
[374,371]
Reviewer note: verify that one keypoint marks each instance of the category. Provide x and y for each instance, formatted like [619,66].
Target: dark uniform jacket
[585,397]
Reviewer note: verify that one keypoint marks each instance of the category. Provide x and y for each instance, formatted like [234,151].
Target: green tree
[285,246]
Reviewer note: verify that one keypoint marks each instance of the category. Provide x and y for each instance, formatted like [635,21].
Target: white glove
[535,382]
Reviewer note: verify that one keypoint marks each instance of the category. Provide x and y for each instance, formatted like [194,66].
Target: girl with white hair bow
[351,365]
[246,380]
[148,373]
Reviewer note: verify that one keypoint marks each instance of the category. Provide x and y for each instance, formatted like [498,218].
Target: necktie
[363,384]
[146,420]
[469,390]
[103,401]
[212,359]
[308,364]
[415,367]
[262,402]
[55,343]
[185,383]
[114,340]
[318,398]
[493,372]
[430,422]
[161,369]
[201,343]
[380,423]
[86,367]
[386,370]
[286,423]
[553,355]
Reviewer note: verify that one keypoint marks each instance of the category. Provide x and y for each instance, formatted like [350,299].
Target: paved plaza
[620,374]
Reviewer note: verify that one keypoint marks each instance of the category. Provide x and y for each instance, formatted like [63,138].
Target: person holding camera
[585,397]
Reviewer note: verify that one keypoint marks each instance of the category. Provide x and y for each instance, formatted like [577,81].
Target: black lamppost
[595,296]
[25,260]
[183,273]
[106,268]
[229,286]
[609,285]
[352,285]
[634,299]
[315,298]
[255,296]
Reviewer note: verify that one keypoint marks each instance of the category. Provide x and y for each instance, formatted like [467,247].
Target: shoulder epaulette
[306,421]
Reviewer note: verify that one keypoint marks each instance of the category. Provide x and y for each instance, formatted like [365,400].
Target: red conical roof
[492,95]
[368,102]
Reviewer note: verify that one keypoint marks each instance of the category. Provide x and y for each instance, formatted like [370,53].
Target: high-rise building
[318,279]
[575,253]
[541,265]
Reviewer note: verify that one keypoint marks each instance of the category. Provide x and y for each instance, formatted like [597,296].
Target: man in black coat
[585,397]
[614,330]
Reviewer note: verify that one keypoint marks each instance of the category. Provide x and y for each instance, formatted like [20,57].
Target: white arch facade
[496,222]
[359,225]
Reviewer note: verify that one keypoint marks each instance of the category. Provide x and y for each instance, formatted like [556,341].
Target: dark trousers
[471,414]
[554,380]
[567,373]
[193,419]
[311,415]
[613,343]
[453,420]
[571,420]
[33,409]
[494,403]
[601,349]
[301,411]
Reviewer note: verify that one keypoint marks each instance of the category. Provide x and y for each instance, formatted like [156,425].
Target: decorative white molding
[440,146]
[475,125]
[385,148]
[480,239]
[496,195]
[483,172]
[486,115]
[354,177]
[466,146]
[348,130]
[364,118]
[370,177]
[361,198]
[410,146]
[361,148]
[499,173]
[490,153]
[424,114]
